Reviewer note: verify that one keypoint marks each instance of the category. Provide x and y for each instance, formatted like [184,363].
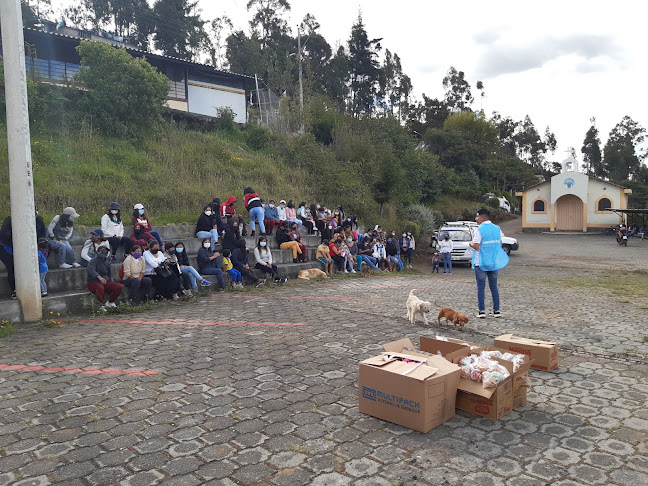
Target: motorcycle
[622,236]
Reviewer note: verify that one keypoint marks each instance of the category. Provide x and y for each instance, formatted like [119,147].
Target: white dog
[416,306]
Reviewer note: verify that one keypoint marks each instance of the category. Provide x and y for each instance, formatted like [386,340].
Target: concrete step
[67,301]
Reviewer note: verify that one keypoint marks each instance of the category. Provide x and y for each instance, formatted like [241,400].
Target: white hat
[138,206]
[70,212]
[282,201]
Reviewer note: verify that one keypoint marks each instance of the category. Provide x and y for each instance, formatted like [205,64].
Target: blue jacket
[271,213]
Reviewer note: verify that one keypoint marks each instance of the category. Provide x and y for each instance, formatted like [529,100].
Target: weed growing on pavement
[626,284]
[6,328]
[54,320]
[645,339]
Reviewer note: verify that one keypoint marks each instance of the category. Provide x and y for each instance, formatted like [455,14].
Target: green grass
[6,328]
[626,284]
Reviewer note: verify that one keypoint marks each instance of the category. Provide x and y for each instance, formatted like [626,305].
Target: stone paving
[248,404]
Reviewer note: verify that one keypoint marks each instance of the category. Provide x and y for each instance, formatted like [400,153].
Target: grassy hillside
[175,172]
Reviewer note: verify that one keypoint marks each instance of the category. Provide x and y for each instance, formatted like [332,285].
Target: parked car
[462,252]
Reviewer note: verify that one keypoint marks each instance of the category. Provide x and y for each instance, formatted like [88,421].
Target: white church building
[572,201]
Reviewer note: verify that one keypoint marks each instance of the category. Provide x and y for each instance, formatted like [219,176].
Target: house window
[539,206]
[604,204]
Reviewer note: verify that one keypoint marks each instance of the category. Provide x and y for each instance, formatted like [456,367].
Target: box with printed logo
[408,387]
[544,354]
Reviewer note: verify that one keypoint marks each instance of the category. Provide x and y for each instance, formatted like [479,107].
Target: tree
[482,95]
[178,31]
[591,151]
[218,27]
[549,140]
[458,96]
[267,20]
[620,157]
[132,19]
[530,146]
[364,69]
[506,128]
[123,95]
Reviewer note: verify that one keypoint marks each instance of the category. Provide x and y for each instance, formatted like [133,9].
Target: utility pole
[21,184]
[301,85]
[256,80]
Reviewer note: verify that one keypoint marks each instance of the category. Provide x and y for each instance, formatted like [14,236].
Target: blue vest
[491,255]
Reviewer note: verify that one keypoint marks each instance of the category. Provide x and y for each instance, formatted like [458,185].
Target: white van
[457,231]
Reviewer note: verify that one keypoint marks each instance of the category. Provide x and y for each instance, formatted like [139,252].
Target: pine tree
[179,32]
[364,69]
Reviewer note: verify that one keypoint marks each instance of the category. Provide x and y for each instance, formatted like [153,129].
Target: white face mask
[113,211]
[206,245]
[271,206]
[208,213]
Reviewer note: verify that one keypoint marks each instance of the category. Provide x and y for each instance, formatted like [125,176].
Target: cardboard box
[417,397]
[520,378]
[452,351]
[544,354]
[491,403]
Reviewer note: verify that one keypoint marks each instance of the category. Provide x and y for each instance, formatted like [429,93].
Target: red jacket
[251,200]
[227,209]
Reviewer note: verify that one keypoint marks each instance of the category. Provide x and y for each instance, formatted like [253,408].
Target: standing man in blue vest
[488,259]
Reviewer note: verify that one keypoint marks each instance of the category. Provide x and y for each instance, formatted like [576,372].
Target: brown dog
[311,273]
[455,317]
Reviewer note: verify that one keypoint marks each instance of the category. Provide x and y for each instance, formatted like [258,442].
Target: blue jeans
[481,275]
[214,271]
[236,275]
[212,234]
[43,285]
[447,262]
[65,251]
[371,261]
[257,213]
[156,235]
[193,275]
[134,284]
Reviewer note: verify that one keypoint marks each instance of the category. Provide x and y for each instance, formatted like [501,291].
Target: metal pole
[256,80]
[301,86]
[23,214]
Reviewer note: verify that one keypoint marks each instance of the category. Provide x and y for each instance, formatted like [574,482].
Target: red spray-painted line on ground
[192,323]
[294,298]
[88,371]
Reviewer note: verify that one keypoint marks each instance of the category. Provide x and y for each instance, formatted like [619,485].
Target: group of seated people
[149,264]
[347,250]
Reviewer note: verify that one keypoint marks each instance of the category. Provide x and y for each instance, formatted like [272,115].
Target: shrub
[225,120]
[257,137]
[493,202]
[423,217]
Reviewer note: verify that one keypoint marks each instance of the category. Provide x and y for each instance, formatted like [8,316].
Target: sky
[560,62]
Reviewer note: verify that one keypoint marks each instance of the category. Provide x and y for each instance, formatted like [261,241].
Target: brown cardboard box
[452,351]
[417,397]
[544,354]
[492,403]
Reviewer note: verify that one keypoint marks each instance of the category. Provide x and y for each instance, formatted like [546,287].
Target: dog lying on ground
[416,306]
[455,317]
[311,273]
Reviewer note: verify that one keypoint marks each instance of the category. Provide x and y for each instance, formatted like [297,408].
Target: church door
[569,213]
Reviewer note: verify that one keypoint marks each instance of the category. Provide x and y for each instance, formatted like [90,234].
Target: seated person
[113,230]
[134,278]
[287,242]
[228,267]
[207,226]
[166,286]
[92,245]
[210,263]
[100,279]
[271,217]
[140,218]
[365,254]
[186,269]
[263,257]
[229,232]
[281,209]
[294,232]
[323,256]
[141,237]
[241,262]
[291,214]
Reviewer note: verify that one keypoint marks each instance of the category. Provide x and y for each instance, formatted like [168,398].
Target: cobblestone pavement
[253,403]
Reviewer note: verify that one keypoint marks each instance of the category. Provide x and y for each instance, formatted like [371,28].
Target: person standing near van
[488,259]
[446,246]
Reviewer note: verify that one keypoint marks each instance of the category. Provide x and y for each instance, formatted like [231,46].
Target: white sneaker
[353,271]
[65,265]
[346,271]
[76,264]
[110,304]
[103,308]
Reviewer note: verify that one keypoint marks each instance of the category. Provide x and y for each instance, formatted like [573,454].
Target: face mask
[349,240]
[103,255]
[208,213]
[388,241]
[206,245]
[404,235]
[137,255]
[172,252]
[337,212]
[113,211]
[179,250]
[271,206]
[263,243]
[282,206]
[319,207]
[154,252]
[141,211]
[71,218]
[138,231]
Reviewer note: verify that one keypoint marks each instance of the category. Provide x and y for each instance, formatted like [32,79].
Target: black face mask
[154,252]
